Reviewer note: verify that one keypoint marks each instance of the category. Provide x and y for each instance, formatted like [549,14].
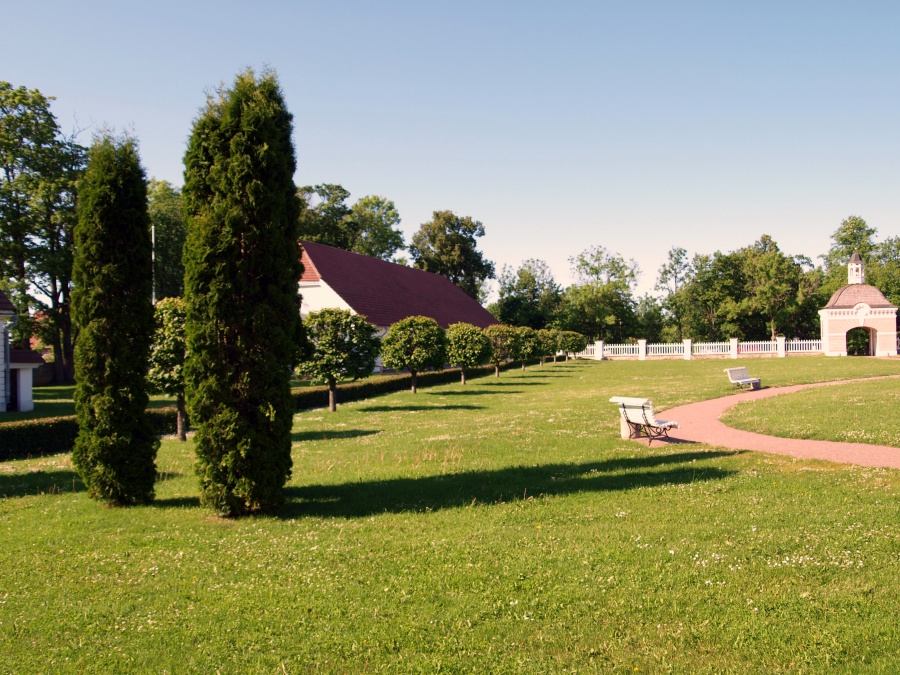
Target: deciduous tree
[343,345]
[446,245]
[414,343]
[242,265]
[116,446]
[467,347]
[170,233]
[503,344]
[167,355]
[375,219]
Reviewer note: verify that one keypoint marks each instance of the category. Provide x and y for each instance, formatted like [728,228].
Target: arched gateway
[858,305]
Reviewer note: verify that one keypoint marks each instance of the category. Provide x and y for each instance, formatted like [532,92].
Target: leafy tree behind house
[529,296]
[242,263]
[116,446]
[467,347]
[414,343]
[344,346]
[376,220]
[167,355]
[167,219]
[446,245]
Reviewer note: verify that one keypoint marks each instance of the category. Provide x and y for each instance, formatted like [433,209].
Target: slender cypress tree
[242,267]
[116,447]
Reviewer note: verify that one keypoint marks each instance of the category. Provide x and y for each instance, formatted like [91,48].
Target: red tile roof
[24,356]
[852,294]
[385,292]
[6,307]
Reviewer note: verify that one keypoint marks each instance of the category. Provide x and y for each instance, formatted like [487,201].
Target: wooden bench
[741,378]
[637,419]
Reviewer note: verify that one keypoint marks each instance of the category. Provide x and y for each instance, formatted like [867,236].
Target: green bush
[52,435]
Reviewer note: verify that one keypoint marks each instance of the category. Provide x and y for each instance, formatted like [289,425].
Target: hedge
[52,435]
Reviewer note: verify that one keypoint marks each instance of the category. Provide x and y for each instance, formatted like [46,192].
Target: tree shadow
[331,434]
[419,408]
[471,392]
[40,483]
[516,383]
[176,503]
[432,493]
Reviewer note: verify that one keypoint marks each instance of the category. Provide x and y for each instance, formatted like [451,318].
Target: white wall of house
[319,295]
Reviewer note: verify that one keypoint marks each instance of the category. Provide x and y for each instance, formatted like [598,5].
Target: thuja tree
[242,264]
[467,347]
[414,343]
[115,450]
[167,354]
[343,346]
[503,344]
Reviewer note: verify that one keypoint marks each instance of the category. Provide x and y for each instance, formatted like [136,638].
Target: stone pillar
[642,350]
[23,382]
[688,343]
[734,348]
[598,350]
[782,349]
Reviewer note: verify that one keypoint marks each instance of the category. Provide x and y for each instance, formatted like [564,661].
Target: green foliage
[504,342]
[414,343]
[549,341]
[325,217]
[167,355]
[467,347]
[116,445]
[446,245]
[344,346]
[527,344]
[167,218]
[376,219]
[529,296]
[572,342]
[242,264]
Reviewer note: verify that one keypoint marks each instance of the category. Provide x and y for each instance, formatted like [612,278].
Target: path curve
[699,423]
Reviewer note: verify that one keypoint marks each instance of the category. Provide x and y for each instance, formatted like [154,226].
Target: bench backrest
[735,374]
[635,410]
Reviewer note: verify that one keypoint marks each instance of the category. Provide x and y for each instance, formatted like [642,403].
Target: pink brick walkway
[699,423]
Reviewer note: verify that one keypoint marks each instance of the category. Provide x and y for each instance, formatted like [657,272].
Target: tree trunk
[181,418]
[463,373]
[496,370]
[523,364]
[332,394]
[413,374]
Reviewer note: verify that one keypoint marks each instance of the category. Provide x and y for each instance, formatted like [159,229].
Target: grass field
[497,527]
[862,412]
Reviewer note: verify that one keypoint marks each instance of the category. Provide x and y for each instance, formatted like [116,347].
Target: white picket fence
[688,349]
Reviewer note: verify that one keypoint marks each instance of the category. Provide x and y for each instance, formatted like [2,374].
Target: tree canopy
[414,343]
[446,245]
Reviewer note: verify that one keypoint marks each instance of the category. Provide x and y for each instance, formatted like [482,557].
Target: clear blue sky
[636,125]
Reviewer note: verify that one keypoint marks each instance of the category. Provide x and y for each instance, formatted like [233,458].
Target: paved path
[699,423]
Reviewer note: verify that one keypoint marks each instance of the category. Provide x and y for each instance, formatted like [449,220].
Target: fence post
[782,350]
[734,348]
[642,350]
[688,343]
[598,350]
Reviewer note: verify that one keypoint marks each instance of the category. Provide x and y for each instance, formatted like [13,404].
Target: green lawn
[56,401]
[862,412]
[497,527]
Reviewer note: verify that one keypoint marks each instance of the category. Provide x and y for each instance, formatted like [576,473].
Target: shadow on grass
[40,483]
[472,392]
[419,408]
[431,493]
[176,503]
[515,383]
[331,435]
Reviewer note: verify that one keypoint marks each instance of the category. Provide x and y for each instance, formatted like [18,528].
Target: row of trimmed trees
[344,346]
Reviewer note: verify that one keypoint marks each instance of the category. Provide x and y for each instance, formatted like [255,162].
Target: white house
[16,365]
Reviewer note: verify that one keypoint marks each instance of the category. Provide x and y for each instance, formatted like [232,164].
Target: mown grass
[497,527]
[861,412]
[57,401]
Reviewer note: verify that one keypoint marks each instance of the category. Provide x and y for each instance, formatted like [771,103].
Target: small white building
[858,305]
[16,365]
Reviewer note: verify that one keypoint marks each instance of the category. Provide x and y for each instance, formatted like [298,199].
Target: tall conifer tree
[116,447]
[242,267]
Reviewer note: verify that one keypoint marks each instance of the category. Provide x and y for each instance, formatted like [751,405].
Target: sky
[638,126]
